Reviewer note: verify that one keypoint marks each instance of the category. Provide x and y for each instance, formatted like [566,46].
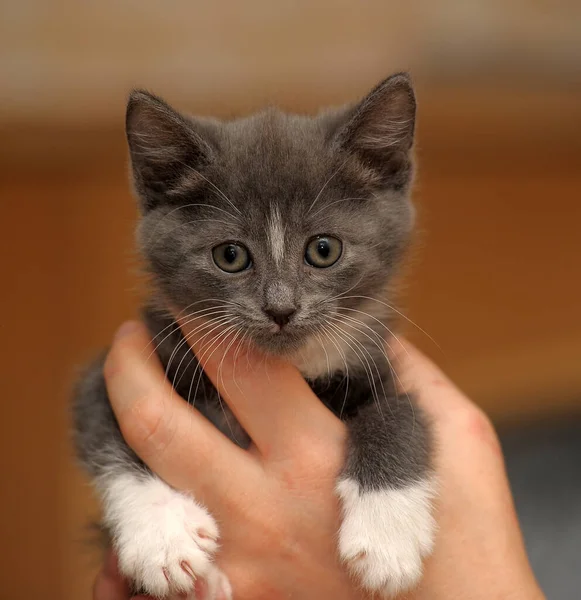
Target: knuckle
[144,427]
[111,364]
[478,419]
[313,457]
[274,532]
[115,359]
[479,426]
[306,470]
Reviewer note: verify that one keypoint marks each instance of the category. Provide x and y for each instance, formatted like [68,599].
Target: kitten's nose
[281,316]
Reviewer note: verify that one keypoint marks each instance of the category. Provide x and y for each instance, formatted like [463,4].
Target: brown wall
[76,60]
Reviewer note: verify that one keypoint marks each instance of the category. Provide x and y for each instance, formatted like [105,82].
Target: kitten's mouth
[280,340]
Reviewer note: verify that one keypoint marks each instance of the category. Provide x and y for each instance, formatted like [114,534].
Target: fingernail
[127,328]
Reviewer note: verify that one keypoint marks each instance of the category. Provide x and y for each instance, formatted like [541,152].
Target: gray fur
[200,183]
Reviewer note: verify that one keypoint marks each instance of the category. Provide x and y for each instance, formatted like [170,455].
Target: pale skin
[275,503]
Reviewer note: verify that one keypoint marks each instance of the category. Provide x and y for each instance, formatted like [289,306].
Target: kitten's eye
[323,251]
[231,257]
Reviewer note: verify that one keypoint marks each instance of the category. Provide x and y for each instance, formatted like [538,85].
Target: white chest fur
[352,343]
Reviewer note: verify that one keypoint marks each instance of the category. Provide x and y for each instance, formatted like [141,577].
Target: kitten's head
[275,225]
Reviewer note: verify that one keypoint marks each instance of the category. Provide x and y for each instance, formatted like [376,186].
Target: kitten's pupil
[231,257]
[230,253]
[323,248]
[322,252]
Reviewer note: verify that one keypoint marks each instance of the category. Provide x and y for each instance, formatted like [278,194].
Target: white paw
[165,541]
[385,534]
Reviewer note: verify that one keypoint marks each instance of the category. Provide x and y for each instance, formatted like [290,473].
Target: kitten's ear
[166,152]
[380,131]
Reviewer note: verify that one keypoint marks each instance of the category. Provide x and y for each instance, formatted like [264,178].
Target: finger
[418,374]
[468,460]
[171,437]
[268,396]
[106,588]
[465,434]
[109,584]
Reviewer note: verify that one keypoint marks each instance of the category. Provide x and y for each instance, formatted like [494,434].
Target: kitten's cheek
[224,356]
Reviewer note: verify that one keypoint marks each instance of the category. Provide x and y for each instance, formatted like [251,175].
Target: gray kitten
[288,230]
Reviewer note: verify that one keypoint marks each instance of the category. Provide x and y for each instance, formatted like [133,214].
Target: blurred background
[496,280]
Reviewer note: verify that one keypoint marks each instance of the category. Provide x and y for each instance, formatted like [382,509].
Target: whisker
[397,380]
[342,295]
[205,357]
[395,310]
[326,206]
[220,192]
[190,205]
[167,233]
[219,324]
[326,184]
[326,353]
[176,319]
[349,340]
[221,378]
[150,152]
[188,336]
[201,314]
[383,354]
[215,323]
[202,351]
[388,330]
[344,358]
[235,359]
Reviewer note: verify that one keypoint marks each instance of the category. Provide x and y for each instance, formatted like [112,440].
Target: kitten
[291,228]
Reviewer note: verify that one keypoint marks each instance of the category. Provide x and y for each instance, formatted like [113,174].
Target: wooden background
[496,280]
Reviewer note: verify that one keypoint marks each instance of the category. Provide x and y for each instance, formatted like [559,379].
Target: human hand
[276,503]
[479,551]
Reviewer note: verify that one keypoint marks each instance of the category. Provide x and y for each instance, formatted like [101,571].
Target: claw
[359,556]
[205,535]
[188,569]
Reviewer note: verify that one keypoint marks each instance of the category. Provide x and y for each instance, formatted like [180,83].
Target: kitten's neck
[350,348]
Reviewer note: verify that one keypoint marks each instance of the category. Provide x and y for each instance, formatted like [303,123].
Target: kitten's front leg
[386,489]
[163,538]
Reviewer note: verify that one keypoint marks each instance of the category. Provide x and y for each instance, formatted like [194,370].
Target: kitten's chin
[282,344]
[306,352]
